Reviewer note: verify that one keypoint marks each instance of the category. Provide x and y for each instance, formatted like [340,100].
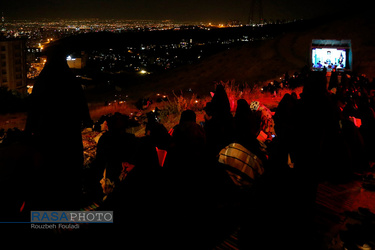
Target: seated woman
[243,158]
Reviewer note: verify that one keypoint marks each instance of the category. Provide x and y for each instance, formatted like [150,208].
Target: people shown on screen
[328,58]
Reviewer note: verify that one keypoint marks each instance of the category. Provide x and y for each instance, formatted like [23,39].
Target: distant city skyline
[192,10]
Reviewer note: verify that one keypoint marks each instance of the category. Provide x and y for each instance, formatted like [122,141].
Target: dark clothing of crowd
[56,114]
[191,202]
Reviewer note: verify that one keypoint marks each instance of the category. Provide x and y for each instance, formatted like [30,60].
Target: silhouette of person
[245,121]
[333,82]
[57,111]
[188,116]
[115,147]
[315,149]
[219,126]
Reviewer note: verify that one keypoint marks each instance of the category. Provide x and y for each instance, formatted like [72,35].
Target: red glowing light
[161,155]
[22,207]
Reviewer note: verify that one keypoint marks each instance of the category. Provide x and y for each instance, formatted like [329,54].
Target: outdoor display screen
[331,58]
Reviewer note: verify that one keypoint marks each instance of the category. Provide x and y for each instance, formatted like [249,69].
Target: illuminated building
[13,64]
[32,54]
[77,62]
[2,26]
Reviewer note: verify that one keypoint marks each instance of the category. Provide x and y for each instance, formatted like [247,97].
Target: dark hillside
[264,60]
[285,48]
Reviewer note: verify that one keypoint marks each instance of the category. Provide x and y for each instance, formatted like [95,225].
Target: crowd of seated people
[217,177]
[192,187]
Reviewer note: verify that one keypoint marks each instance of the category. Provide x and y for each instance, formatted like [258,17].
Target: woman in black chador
[56,114]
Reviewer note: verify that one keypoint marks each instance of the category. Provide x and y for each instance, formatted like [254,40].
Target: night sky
[191,10]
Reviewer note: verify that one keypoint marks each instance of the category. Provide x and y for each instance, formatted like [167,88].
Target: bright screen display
[330,58]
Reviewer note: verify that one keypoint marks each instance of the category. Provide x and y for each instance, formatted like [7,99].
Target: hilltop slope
[264,60]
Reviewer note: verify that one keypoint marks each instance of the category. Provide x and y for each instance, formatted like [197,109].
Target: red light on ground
[161,155]
[22,207]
